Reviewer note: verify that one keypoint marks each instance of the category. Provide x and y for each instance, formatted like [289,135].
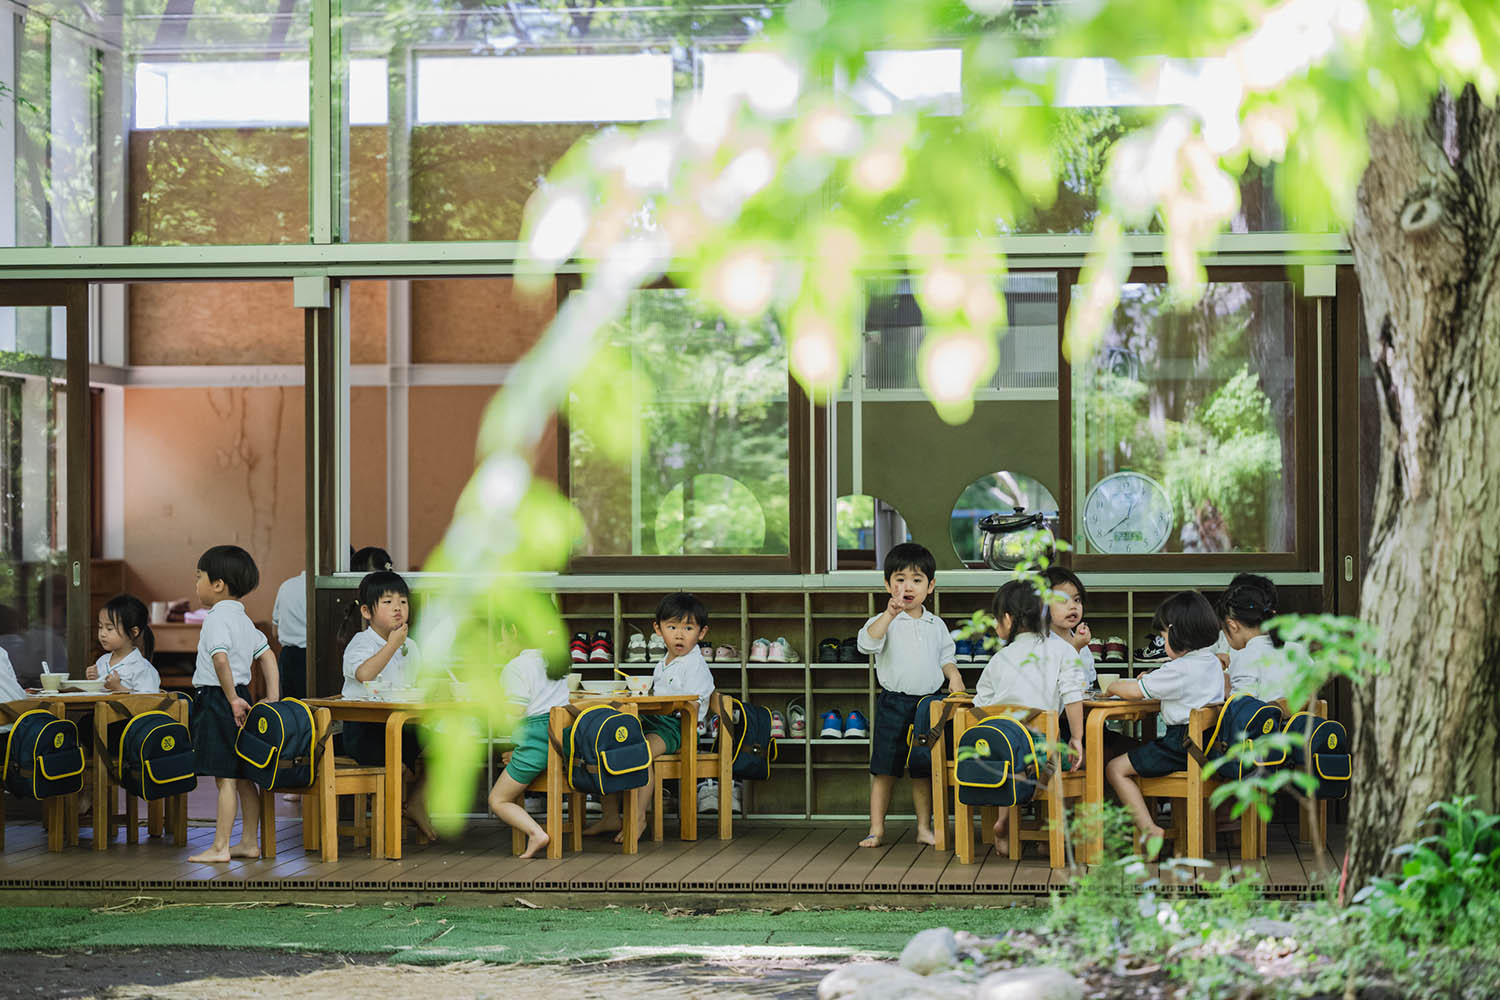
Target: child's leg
[505,803]
[228,803]
[881,787]
[643,795]
[415,807]
[1121,774]
[609,816]
[1002,843]
[249,845]
[921,797]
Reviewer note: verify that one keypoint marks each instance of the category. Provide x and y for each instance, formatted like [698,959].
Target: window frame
[795,560]
[1306,334]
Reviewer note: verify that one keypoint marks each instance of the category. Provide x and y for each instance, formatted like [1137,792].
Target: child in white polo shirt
[126,638]
[228,646]
[1259,663]
[914,655]
[1191,678]
[533,689]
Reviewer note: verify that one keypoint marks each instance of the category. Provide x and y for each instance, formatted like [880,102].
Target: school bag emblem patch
[57,741]
[621,734]
[263,724]
[168,743]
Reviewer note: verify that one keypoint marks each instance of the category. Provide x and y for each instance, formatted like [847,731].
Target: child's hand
[956,685]
[894,607]
[1081,636]
[92,673]
[1075,747]
[505,758]
[241,708]
[113,683]
[398,635]
[1224,659]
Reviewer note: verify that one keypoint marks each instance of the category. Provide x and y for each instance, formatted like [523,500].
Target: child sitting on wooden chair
[1029,670]
[533,689]
[1191,678]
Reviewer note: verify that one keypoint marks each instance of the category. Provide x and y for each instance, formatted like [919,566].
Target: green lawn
[435,934]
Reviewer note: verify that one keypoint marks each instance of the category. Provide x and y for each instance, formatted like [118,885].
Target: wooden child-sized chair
[717,763]
[332,777]
[1195,820]
[939,749]
[553,783]
[162,815]
[59,813]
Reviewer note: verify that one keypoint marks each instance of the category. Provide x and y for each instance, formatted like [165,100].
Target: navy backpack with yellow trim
[43,757]
[999,764]
[276,745]
[1328,744]
[754,748]
[1243,719]
[921,736]
[151,756]
[606,751]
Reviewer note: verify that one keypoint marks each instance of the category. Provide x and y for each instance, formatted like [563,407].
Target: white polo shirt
[400,670]
[134,671]
[688,674]
[527,685]
[228,630]
[1188,682]
[289,613]
[1262,670]
[10,688]
[1031,671]
[909,658]
[1064,648]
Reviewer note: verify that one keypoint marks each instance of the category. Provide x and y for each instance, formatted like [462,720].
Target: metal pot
[1011,539]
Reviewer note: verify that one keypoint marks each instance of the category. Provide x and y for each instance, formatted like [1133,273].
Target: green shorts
[668,727]
[529,759]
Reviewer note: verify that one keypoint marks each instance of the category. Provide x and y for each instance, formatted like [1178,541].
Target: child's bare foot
[602,826]
[872,839]
[212,856]
[244,850]
[1151,833]
[1002,842]
[417,817]
[535,843]
[926,837]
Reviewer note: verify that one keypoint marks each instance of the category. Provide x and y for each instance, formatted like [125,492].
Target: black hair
[682,606]
[369,559]
[371,589]
[233,565]
[1019,599]
[1189,621]
[128,614]
[1056,576]
[1250,600]
[910,555]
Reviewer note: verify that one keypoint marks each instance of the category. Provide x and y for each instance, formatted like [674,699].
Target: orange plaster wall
[367,462]
[476,320]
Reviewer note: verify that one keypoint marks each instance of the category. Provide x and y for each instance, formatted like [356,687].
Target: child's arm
[112,682]
[1079,637]
[239,706]
[371,668]
[268,672]
[955,679]
[1126,688]
[1074,713]
[871,638]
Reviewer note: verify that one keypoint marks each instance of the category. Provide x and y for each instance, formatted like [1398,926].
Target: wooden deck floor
[820,859]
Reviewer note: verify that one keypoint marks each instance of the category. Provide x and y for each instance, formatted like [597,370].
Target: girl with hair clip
[1029,671]
[1258,663]
[126,638]
[1191,678]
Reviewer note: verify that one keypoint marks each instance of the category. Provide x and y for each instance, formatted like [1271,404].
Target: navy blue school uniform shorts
[1164,755]
[365,742]
[211,722]
[889,740]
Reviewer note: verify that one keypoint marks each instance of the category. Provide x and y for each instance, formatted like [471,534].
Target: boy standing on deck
[913,656]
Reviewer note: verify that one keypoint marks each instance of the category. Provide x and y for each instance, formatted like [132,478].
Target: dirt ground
[222,974]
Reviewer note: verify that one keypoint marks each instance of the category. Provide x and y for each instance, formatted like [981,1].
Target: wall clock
[1127,512]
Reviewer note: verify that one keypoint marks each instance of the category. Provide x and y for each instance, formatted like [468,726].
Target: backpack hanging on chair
[1328,743]
[276,744]
[921,735]
[43,757]
[1243,719]
[999,764]
[151,755]
[606,751]
[754,747]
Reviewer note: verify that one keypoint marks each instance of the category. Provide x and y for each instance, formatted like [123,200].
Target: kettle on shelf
[1007,540]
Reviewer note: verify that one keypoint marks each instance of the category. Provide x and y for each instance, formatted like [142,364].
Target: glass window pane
[710,470]
[1184,424]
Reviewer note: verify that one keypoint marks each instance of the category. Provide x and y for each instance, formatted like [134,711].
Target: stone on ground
[1030,983]
[878,981]
[930,951]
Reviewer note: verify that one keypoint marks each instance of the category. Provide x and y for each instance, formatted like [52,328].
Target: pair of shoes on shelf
[708,729]
[1114,650]
[635,649]
[828,651]
[971,650]
[796,720]
[596,650]
[778,725]
[724,654]
[836,727]
[833,650]
[779,651]
[1155,650]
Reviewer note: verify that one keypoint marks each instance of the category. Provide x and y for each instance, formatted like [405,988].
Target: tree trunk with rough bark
[1426,244]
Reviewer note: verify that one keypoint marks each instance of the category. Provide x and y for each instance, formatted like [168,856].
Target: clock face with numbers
[1127,512]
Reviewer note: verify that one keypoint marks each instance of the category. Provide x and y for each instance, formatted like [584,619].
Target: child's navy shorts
[1165,755]
[212,724]
[894,714]
[365,742]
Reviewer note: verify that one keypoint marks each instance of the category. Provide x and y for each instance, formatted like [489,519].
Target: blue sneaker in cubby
[856,727]
[833,725]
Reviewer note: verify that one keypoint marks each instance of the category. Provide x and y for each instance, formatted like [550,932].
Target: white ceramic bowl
[603,687]
[639,685]
[93,687]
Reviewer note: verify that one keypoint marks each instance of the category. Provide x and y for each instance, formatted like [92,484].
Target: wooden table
[1098,712]
[393,715]
[649,704]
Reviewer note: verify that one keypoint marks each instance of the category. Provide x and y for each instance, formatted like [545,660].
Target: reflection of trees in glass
[854,520]
[718,408]
[989,495]
[710,514]
[1201,400]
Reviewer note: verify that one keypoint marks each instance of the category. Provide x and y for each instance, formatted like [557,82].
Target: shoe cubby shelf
[821,782]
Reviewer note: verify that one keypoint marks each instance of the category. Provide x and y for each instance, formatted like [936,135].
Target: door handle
[1348,569]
